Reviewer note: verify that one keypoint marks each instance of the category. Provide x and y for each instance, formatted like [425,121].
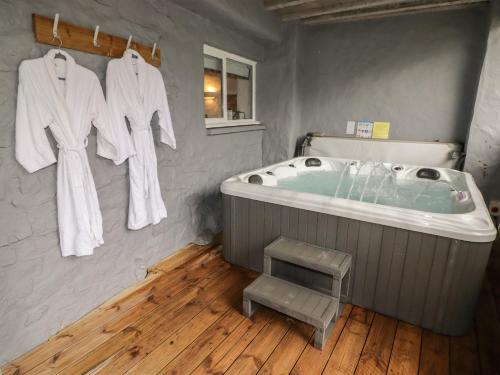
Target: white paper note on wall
[351,125]
[364,129]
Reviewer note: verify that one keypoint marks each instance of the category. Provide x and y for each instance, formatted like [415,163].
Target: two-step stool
[310,306]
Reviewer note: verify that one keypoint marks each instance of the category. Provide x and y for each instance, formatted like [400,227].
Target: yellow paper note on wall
[381,130]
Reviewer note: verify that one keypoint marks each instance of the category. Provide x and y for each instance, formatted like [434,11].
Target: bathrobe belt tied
[81,177]
[147,164]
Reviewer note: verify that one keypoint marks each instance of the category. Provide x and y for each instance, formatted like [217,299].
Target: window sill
[212,129]
[232,123]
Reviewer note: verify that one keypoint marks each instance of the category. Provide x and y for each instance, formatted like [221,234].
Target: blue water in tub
[418,194]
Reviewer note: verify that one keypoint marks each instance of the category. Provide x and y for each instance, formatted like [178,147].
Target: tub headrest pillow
[255,179]
[313,162]
[428,173]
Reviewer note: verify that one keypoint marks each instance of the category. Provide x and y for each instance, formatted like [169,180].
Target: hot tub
[419,237]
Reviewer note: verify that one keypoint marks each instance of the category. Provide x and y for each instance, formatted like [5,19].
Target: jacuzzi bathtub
[420,245]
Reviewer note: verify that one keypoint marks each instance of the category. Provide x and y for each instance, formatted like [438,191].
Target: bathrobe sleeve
[116,115]
[106,137]
[33,150]
[165,121]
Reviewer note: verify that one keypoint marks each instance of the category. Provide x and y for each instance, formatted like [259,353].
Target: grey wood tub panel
[426,280]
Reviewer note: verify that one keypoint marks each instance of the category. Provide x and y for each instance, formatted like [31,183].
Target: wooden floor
[186,318]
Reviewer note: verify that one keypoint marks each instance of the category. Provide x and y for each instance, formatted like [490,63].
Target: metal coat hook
[129,41]
[154,50]
[96,34]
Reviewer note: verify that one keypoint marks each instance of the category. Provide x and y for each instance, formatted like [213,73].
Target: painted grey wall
[278,109]
[311,80]
[245,16]
[483,146]
[418,72]
[40,291]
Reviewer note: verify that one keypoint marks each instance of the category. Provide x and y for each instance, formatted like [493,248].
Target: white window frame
[223,121]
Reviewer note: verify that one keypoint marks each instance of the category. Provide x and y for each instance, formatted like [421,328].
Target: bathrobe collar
[69,78]
[137,81]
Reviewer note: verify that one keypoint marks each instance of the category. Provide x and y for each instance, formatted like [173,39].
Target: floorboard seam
[338,338]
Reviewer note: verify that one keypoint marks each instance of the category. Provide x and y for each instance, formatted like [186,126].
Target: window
[229,89]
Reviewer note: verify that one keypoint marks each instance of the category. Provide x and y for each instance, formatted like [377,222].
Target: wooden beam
[386,12]
[279,4]
[320,8]
[80,39]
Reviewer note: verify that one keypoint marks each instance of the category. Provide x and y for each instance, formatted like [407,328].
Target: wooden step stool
[310,306]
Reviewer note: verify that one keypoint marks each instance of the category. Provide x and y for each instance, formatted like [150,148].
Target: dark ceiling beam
[280,4]
[393,11]
[319,8]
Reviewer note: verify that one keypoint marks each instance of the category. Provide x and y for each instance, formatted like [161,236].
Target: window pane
[213,87]
[239,90]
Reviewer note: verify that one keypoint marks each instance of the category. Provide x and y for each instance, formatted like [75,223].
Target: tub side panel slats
[276,212]
[342,228]
[252,233]
[396,271]
[303,225]
[256,235]
[241,207]
[285,221]
[372,265]
[462,284]
[312,237]
[472,278]
[361,263]
[226,235]
[322,230]
[312,226]
[454,269]
[384,267]
[352,248]
[331,234]
[427,251]
[409,275]
[437,274]
[276,230]
[293,223]
[268,224]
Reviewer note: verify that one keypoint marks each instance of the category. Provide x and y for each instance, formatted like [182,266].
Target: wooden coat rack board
[81,39]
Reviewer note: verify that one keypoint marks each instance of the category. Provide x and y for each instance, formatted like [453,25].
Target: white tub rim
[474,226]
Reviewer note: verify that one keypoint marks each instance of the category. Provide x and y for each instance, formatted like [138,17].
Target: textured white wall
[483,146]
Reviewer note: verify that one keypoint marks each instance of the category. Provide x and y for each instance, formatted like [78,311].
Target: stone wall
[41,292]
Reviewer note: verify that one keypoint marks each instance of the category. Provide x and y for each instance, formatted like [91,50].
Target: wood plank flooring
[185,318]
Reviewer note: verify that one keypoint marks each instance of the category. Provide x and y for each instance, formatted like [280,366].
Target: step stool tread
[318,258]
[301,303]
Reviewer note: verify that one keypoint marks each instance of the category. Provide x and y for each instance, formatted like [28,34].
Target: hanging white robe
[68,107]
[135,90]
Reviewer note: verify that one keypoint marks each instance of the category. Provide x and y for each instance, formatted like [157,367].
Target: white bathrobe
[69,108]
[135,90]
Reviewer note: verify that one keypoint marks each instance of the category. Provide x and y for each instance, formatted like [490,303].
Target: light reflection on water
[380,188]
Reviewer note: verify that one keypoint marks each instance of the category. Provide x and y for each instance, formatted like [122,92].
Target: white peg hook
[55,34]
[129,41]
[154,50]
[96,34]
